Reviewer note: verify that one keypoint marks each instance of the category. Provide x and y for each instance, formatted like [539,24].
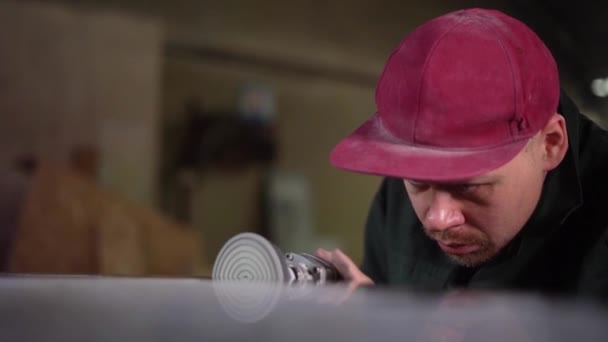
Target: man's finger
[323,254]
[334,259]
[321,251]
[342,263]
[347,264]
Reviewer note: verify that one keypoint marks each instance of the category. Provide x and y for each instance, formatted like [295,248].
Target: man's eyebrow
[485,179]
[476,180]
[479,180]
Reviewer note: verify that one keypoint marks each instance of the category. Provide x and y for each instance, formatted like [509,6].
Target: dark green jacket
[563,248]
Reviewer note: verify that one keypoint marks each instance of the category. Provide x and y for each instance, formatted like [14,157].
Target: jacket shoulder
[593,167]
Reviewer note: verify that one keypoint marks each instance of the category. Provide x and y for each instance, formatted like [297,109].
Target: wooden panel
[71,226]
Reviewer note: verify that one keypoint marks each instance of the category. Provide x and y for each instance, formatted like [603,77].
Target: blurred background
[138,136]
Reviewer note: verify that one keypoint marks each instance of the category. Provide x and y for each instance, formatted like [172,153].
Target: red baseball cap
[459,97]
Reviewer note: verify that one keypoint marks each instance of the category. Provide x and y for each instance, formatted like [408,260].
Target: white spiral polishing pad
[249,257]
[248,277]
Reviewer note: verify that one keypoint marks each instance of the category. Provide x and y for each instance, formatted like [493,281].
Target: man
[491,181]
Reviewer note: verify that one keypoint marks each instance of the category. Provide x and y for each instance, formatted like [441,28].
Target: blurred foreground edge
[55,308]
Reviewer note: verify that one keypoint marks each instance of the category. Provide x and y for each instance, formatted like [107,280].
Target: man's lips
[457,248]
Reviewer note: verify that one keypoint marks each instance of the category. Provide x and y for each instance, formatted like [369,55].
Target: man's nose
[443,213]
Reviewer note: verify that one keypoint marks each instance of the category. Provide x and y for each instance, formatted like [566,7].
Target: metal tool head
[250,257]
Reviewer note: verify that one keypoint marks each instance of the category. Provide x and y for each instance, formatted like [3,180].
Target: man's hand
[348,270]
[345,266]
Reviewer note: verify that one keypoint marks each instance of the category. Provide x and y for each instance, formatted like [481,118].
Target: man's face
[472,220]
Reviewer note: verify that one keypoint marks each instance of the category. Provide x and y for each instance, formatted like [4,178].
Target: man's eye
[466,188]
[419,186]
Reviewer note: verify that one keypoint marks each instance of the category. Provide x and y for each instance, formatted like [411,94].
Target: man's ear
[554,140]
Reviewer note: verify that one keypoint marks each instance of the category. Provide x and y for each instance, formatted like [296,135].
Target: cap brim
[370,150]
